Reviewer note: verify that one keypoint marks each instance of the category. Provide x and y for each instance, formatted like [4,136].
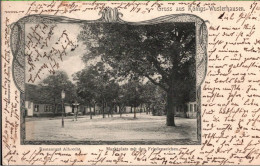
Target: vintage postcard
[130,82]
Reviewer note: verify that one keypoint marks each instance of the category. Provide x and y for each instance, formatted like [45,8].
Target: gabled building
[38,102]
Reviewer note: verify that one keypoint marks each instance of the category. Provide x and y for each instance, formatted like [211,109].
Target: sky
[71,63]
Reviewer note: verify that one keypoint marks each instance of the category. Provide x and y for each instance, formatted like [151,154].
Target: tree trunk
[108,111]
[134,112]
[94,108]
[112,109]
[120,111]
[103,109]
[131,110]
[170,109]
[90,112]
[153,111]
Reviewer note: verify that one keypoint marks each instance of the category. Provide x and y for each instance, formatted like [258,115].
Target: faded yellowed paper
[229,101]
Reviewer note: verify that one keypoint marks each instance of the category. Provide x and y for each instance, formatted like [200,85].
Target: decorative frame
[111,16]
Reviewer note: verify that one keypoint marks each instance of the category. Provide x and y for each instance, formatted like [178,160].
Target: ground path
[144,129]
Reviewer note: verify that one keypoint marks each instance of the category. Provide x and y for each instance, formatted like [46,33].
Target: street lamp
[62,107]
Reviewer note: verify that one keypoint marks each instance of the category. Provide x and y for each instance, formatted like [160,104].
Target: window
[36,108]
[48,108]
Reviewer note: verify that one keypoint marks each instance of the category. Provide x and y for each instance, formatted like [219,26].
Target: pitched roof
[37,94]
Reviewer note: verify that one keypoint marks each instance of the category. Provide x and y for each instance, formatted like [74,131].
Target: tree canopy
[57,82]
[160,52]
[94,84]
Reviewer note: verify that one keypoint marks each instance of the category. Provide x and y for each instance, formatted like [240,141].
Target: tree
[132,94]
[162,53]
[94,84]
[54,84]
[154,98]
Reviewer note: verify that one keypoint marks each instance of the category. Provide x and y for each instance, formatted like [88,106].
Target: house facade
[29,108]
[189,110]
[38,102]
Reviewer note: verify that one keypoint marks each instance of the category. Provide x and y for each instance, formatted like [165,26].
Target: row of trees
[94,86]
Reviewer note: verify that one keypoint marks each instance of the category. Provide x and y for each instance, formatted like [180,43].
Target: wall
[30,106]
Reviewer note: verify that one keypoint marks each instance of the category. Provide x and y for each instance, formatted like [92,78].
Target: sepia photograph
[111,83]
[130,82]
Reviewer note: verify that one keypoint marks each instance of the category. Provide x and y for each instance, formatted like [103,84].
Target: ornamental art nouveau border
[109,15]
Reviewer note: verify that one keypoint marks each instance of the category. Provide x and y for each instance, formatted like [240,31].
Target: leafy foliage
[94,84]
[163,53]
[57,82]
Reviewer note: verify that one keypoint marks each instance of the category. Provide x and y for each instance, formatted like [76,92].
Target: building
[86,109]
[38,102]
[68,108]
[189,110]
